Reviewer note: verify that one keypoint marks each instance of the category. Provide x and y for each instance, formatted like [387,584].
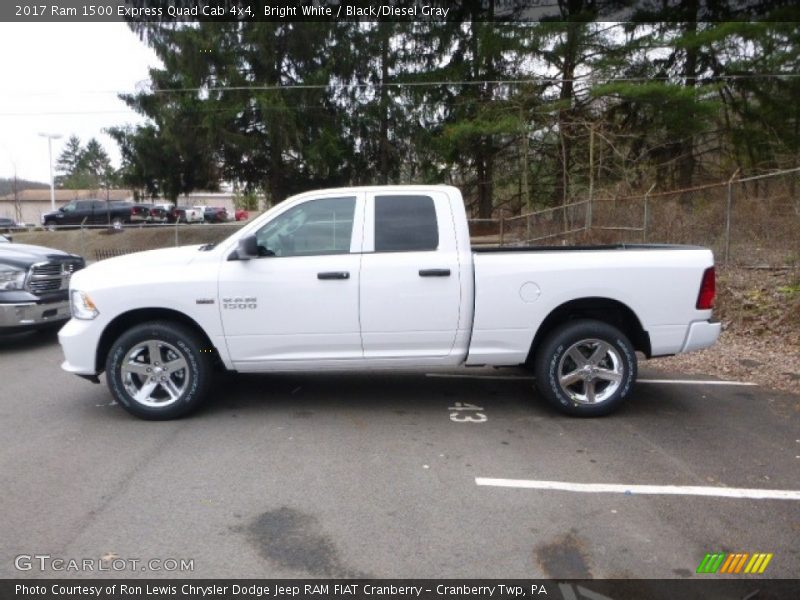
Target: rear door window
[405,223]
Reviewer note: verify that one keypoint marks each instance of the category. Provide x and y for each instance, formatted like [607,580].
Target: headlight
[82,306]
[11,278]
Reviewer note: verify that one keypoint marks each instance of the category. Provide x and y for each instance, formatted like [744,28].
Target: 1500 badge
[240,303]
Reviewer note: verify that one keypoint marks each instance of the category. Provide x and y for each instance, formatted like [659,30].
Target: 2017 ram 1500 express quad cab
[382,277]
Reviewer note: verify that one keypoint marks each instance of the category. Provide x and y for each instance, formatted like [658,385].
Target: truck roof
[381,188]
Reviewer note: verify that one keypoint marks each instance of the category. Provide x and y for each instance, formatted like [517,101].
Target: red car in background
[140,213]
[148,213]
[241,215]
[158,214]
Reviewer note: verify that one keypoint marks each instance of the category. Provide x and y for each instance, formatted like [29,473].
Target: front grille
[47,270]
[52,276]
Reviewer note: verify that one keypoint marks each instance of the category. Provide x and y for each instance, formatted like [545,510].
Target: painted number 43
[462,412]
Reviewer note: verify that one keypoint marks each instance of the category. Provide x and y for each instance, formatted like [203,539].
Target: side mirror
[248,248]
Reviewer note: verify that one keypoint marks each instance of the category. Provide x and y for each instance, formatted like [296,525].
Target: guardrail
[102,254]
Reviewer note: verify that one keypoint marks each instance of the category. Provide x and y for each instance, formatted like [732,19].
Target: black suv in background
[89,212]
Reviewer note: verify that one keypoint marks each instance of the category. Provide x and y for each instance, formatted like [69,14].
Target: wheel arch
[607,310]
[128,319]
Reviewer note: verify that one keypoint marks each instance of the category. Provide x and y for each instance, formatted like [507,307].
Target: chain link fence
[98,242]
[750,221]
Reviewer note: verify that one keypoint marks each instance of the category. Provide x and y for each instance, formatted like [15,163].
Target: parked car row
[118,213]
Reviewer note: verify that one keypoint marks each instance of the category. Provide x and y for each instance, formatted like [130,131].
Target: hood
[24,255]
[149,259]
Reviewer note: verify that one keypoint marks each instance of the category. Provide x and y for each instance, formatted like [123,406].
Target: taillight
[708,289]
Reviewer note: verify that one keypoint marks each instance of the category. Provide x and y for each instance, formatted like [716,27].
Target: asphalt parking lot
[374,475]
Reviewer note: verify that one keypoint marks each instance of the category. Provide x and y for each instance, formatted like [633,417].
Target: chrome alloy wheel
[590,371]
[155,373]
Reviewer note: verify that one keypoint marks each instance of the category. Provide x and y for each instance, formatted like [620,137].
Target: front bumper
[702,334]
[79,340]
[30,315]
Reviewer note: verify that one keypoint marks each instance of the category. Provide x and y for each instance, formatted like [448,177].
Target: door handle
[333,275]
[434,272]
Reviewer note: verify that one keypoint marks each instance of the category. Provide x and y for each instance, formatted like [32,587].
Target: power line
[471,82]
[378,85]
[66,113]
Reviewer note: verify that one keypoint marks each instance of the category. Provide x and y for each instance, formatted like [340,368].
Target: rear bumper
[30,315]
[701,334]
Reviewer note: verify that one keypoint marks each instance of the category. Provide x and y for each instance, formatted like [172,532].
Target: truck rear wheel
[158,371]
[585,368]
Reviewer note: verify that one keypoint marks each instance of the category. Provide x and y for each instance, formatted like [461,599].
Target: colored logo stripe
[734,563]
[758,564]
[711,562]
[723,562]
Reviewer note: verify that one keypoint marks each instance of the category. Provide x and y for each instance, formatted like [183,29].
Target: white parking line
[656,381]
[695,381]
[457,376]
[671,490]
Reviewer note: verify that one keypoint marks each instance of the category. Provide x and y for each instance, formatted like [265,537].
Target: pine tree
[69,160]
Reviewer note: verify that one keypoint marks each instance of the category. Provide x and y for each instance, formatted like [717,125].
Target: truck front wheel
[585,368]
[158,370]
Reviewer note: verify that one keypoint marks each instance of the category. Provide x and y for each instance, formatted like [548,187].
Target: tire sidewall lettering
[194,370]
[116,378]
[553,375]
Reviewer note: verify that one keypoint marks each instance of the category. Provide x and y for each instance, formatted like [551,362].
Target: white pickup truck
[383,278]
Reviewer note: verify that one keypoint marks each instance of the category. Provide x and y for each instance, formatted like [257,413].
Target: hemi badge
[205,301]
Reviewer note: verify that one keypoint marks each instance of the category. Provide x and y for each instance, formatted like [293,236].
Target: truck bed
[517,287]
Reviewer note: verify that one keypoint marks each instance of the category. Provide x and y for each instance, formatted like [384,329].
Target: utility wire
[377,85]
[472,82]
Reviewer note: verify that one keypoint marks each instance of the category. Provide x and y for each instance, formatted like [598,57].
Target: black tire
[50,225]
[588,390]
[186,387]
